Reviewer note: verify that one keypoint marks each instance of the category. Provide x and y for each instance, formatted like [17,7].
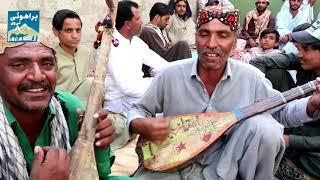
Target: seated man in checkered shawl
[39,125]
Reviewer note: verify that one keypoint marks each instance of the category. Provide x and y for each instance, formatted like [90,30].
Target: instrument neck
[275,101]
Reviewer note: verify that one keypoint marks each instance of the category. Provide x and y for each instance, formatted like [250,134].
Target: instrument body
[180,144]
[192,133]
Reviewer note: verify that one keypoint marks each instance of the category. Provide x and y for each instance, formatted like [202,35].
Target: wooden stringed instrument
[83,163]
[192,133]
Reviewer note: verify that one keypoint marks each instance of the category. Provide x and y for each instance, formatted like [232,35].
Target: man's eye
[18,66]
[224,35]
[47,65]
[203,34]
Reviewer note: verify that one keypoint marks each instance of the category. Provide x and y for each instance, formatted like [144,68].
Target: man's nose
[36,74]
[212,42]
[74,34]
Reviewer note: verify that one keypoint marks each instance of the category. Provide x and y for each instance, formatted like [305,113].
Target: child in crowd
[269,40]
[223,3]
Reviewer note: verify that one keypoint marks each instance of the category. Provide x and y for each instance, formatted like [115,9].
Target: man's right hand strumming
[153,129]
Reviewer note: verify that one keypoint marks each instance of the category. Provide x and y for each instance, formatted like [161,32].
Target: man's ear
[276,44]
[157,18]
[127,24]
[55,31]
[234,43]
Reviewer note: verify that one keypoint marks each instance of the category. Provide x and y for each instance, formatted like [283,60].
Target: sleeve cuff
[316,115]
[295,141]
[104,160]
[300,112]
[133,115]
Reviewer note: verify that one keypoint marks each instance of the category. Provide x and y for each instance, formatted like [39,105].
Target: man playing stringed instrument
[212,82]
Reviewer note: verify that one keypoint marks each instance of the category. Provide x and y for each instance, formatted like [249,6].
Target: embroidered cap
[45,38]
[310,35]
[213,1]
[4,40]
[225,15]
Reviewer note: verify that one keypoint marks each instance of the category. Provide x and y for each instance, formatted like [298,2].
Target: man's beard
[182,16]
[261,10]
[29,85]
[294,9]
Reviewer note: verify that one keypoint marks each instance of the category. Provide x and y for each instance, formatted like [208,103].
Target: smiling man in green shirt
[38,125]
[69,104]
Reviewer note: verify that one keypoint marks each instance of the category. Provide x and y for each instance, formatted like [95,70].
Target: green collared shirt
[70,104]
[44,138]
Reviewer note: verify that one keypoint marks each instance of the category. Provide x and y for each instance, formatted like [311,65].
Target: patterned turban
[225,15]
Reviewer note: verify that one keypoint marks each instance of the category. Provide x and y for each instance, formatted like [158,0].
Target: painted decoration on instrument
[23,26]
[189,135]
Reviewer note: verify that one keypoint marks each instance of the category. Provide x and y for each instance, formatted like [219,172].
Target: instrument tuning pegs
[107,21]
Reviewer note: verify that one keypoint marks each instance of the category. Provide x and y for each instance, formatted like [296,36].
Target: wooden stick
[83,163]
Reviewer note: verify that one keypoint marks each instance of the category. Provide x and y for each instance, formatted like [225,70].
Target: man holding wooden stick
[251,149]
[38,125]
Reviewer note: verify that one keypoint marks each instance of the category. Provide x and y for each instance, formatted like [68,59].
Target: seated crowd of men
[216,72]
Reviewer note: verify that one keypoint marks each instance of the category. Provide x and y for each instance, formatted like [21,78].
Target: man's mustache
[34,85]
[212,51]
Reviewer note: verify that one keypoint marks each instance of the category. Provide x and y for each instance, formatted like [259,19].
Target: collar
[226,74]
[267,12]
[184,18]
[266,51]
[120,38]
[150,25]
[61,51]
[11,119]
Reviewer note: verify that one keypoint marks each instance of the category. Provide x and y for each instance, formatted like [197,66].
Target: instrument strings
[278,100]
